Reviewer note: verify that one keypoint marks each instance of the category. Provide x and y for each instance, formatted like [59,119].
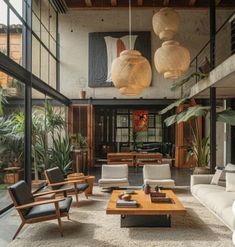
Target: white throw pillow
[230,167]
[230,181]
[216,177]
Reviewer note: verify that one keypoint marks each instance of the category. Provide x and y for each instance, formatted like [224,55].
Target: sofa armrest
[201,179]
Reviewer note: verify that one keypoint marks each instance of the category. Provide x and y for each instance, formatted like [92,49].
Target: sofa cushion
[213,196]
[80,187]
[157,172]
[230,182]
[216,177]
[229,217]
[166,183]
[55,176]
[222,179]
[229,167]
[110,181]
[49,209]
[114,171]
[199,189]
[22,194]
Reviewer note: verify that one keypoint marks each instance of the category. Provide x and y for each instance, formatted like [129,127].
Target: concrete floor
[10,220]
[5,199]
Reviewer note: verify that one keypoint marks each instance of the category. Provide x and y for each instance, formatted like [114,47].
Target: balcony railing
[224,48]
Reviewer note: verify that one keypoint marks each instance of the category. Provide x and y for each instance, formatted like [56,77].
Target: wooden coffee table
[147,214]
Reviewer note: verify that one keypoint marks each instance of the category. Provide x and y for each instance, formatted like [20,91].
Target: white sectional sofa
[215,198]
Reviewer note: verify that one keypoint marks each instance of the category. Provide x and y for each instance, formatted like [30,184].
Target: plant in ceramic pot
[200,151]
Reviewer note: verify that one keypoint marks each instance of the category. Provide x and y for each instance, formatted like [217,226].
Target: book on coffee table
[161,199]
[126,204]
[157,194]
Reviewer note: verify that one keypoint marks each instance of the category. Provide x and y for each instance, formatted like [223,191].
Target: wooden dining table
[134,158]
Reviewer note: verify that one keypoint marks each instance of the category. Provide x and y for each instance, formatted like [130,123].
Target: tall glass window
[50,145]
[11,137]
[44,45]
[3,27]
[13,24]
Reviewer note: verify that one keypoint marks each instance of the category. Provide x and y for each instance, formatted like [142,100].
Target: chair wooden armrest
[67,182]
[50,192]
[29,205]
[75,178]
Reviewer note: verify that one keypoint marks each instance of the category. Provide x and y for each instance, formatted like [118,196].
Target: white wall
[193,33]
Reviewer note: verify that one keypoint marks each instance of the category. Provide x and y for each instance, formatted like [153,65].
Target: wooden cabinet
[81,120]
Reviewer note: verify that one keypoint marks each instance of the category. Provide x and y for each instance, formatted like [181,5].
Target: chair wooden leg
[59,218]
[60,227]
[18,230]
[76,195]
[86,194]
[68,216]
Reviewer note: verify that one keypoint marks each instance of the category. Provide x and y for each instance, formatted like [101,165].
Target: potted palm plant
[60,153]
[200,150]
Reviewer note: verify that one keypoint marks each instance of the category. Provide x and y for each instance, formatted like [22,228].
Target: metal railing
[224,48]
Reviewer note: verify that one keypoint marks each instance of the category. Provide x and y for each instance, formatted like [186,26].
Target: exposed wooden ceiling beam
[148,4]
[192,2]
[88,3]
[113,3]
[166,2]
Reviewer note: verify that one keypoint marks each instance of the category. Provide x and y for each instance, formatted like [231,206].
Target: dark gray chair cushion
[22,194]
[55,176]
[80,187]
[49,209]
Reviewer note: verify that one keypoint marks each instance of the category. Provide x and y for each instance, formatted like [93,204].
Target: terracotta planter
[11,178]
[201,170]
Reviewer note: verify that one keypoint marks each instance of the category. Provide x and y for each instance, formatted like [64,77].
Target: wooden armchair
[32,211]
[56,181]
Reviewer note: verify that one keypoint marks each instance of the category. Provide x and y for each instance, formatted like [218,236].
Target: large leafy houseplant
[60,153]
[199,147]
[12,137]
[46,122]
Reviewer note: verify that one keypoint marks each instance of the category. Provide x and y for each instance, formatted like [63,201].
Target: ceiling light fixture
[171,59]
[131,72]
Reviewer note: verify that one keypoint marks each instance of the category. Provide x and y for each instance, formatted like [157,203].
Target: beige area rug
[90,226]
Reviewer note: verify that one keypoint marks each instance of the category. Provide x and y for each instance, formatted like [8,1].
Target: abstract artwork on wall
[106,46]
[140,121]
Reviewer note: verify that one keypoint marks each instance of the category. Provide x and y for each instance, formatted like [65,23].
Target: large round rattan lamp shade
[166,23]
[131,72]
[171,59]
